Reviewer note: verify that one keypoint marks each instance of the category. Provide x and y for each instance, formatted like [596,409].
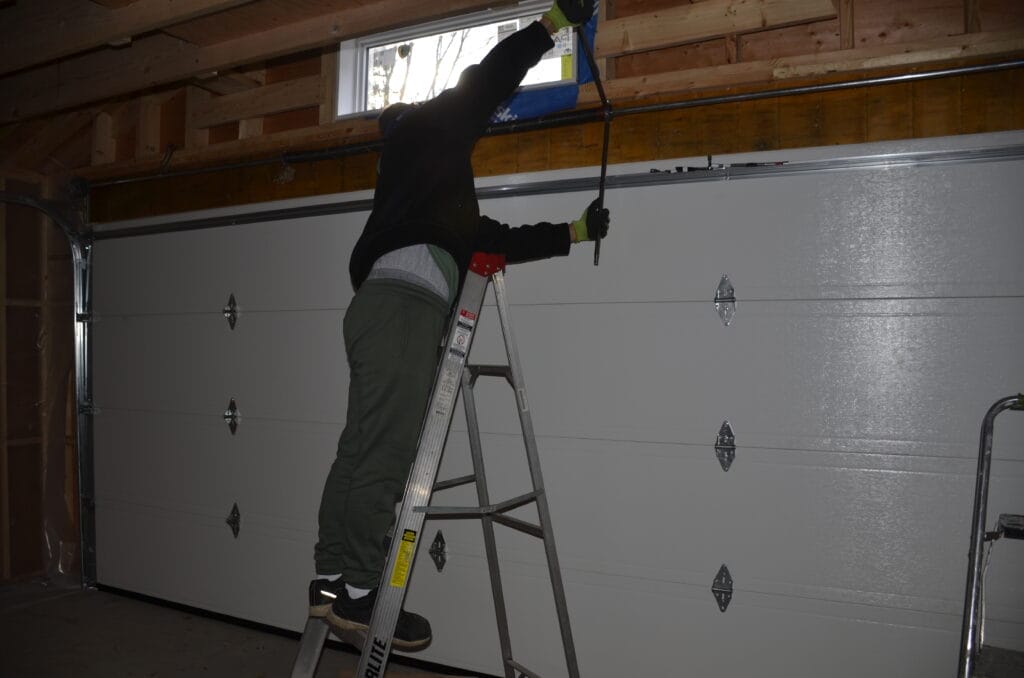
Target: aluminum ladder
[1009,526]
[453,375]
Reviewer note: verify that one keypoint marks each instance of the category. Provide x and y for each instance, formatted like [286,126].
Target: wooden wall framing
[38,487]
[23,388]
[650,51]
[988,102]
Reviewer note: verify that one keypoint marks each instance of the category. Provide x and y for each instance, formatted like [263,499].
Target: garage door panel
[864,535]
[879,314]
[275,470]
[266,266]
[622,625]
[795,375]
[191,559]
[914,232]
[795,237]
[287,366]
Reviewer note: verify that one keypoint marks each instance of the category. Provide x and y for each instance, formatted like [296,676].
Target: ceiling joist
[160,60]
[53,30]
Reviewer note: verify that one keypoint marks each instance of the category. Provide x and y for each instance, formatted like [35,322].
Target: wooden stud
[5,493]
[104,146]
[150,128]
[972,16]
[276,98]
[846,24]
[45,347]
[328,85]
[196,99]
[732,48]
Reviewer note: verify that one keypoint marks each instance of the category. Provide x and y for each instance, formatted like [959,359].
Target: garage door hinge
[725,300]
[84,317]
[231,416]
[231,311]
[88,408]
[439,551]
[725,445]
[234,520]
[722,588]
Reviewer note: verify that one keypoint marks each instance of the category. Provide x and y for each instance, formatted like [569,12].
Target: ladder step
[454,482]
[521,670]
[503,371]
[1011,526]
[521,525]
[479,511]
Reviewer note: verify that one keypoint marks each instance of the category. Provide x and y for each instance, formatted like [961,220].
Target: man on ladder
[407,268]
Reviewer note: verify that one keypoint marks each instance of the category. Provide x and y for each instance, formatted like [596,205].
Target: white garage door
[880,310]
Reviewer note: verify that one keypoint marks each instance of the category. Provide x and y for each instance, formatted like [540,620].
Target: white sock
[355,593]
[331,577]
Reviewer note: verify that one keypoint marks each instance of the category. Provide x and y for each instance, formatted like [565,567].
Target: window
[418,63]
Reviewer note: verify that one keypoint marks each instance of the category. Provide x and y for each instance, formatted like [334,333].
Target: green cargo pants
[392,333]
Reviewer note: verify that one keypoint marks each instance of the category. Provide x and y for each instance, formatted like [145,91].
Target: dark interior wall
[37,504]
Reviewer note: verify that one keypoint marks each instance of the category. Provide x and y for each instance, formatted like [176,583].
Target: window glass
[420,65]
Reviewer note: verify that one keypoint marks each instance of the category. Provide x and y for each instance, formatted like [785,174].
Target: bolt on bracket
[231,311]
[234,520]
[725,445]
[722,588]
[725,300]
[231,416]
[439,551]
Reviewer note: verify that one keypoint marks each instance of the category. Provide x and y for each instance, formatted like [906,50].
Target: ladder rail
[454,376]
[970,640]
[533,458]
[409,524]
[487,523]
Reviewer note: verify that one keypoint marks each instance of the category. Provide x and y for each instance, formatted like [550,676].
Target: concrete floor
[74,633]
[47,632]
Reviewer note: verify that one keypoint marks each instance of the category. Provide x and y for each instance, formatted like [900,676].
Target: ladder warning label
[462,334]
[403,562]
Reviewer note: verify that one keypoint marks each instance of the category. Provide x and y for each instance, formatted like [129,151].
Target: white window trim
[352,53]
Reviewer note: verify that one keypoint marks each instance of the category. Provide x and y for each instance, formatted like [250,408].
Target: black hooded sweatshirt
[425,191]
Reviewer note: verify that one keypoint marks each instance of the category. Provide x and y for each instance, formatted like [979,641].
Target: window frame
[353,54]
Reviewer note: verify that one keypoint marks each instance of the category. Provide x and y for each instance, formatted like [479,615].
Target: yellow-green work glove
[593,224]
[566,13]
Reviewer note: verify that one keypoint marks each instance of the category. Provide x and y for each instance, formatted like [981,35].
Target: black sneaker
[323,592]
[350,619]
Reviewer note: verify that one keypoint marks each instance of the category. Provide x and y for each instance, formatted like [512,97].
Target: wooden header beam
[768,72]
[267,100]
[45,31]
[704,21]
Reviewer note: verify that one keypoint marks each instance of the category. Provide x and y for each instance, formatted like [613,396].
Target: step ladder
[453,375]
[1009,526]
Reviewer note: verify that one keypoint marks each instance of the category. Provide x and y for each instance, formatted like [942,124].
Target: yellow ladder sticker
[403,563]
